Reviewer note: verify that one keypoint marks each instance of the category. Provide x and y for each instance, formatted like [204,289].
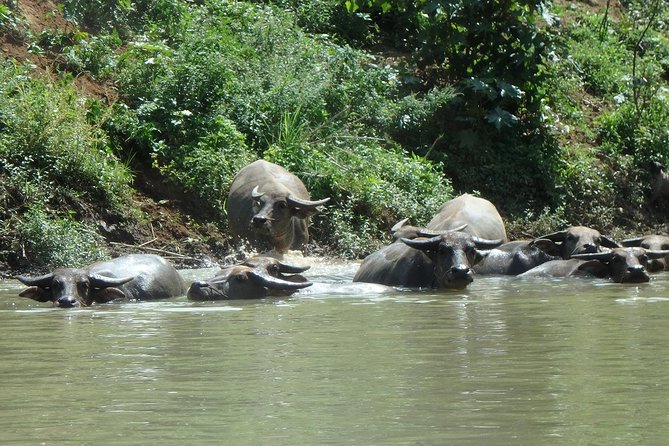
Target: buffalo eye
[83,287]
[281,205]
[643,259]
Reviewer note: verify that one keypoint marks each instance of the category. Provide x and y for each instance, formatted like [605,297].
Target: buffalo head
[273,214]
[453,254]
[580,240]
[245,282]
[653,243]
[70,287]
[625,264]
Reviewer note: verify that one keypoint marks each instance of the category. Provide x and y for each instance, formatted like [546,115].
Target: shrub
[59,241]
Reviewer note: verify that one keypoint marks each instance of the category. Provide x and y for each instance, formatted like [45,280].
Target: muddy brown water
[506,361]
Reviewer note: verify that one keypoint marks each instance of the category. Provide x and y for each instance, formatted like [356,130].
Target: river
[506,361]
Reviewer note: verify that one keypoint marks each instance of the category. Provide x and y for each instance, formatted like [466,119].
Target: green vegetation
[386,107]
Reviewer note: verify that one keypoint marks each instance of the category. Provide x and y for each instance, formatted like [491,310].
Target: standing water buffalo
[270,207]
[255,278]
[653,243]
[622,265]
[134,276]
[443,261]
[580,240]
[513,258]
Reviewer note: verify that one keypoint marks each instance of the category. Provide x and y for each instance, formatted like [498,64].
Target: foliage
[59,241]
[45,133]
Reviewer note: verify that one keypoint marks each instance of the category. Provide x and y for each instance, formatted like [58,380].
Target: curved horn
[100,281]
[631,242]
[555,236]
[423,244]
[609,243]
[298,202]
[399,224]
[424,232]
[657,253]
[40,281]
[604,256]
[255,193]
[276,284]
[486,243]
[291,269]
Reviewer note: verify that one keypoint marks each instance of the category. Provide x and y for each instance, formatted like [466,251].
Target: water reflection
[506,361]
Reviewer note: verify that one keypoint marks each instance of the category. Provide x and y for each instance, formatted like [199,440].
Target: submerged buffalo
[270,207]
[255,278]
[580,240]
[513,258]
[622,265]
[653,243]
[461,228]
[134,276]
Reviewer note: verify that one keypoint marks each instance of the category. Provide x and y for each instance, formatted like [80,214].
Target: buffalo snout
[67,302]
[459,276]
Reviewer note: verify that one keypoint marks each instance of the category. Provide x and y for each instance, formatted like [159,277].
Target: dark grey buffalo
[270,207]
[513,258]
[443,261]
[622,265]
[473,215]
[442,254]
[134,276]
[659,184]
[580,240]
[653,243]
[255,278]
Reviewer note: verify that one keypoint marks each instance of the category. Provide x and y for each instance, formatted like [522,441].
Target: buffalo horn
[608,243]
[40,281]
[291,269]
[277,284]
[423,244]
[604,256]
[486,243]
[424,232]
[100,281]
[256,194]
[298,202]
[657,254]
[631,242]
[398,225]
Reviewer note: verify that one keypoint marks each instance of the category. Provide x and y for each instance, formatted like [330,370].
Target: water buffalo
[460,228]
[568,268]
[653,243]
[443,261]
[622,265]
[476,216]
[134,276]
[513,258]
[580,240]
[255,278]
[270,207]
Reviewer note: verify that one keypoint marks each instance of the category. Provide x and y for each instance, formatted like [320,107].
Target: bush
[45,134]
[59,241]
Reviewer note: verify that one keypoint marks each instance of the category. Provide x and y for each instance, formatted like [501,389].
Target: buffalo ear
[303,212]
[546,245]
[104,295]
[595,267]
[36,293]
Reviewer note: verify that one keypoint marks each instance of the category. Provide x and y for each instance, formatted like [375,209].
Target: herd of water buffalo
[270,208]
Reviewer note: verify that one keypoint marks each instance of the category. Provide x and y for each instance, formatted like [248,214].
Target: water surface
[507,361]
